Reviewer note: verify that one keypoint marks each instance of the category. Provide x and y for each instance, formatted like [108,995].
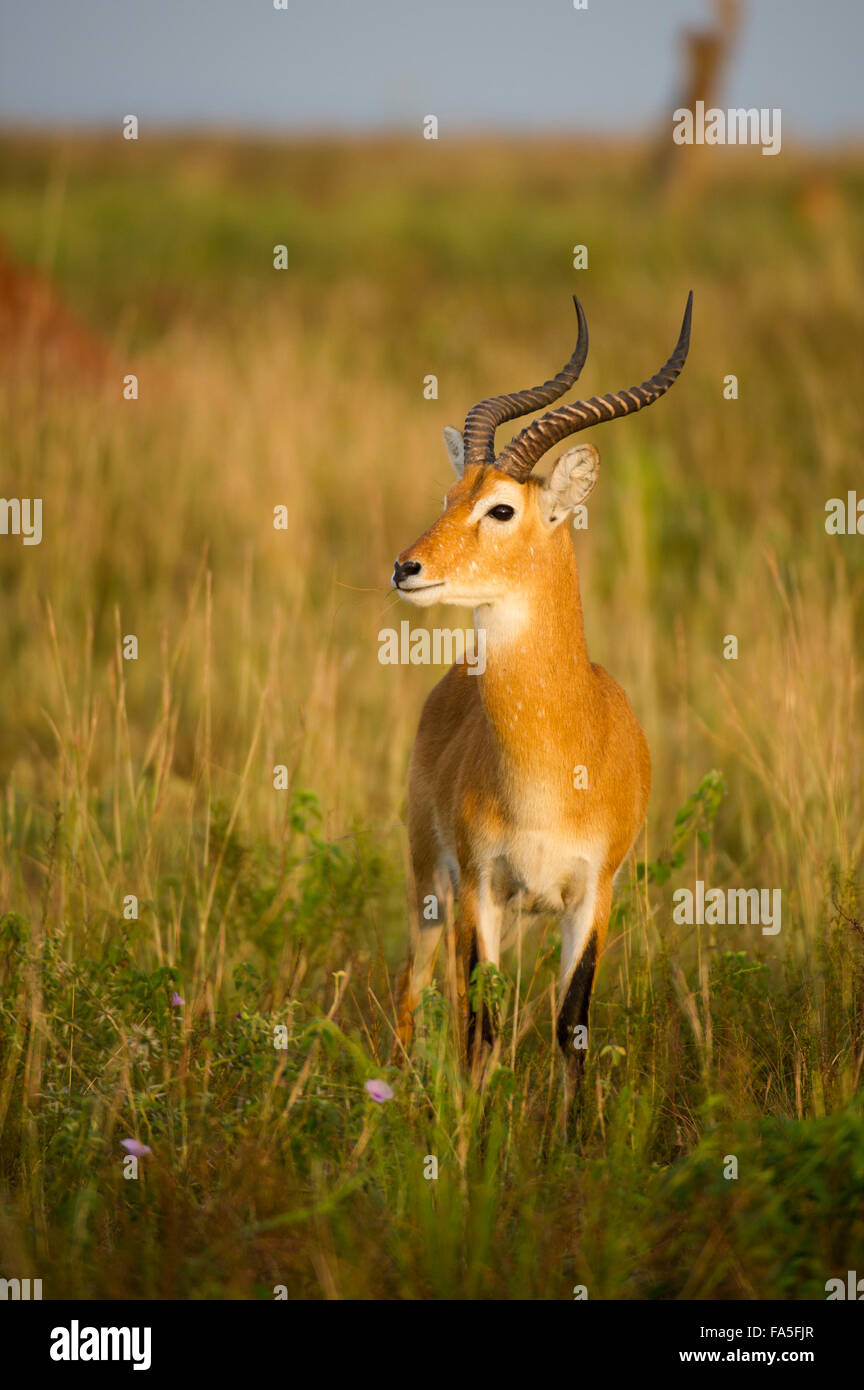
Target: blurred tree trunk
[705,60]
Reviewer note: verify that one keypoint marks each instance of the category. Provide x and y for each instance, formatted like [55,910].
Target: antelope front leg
[431,911]
[414,977]
[583,933]
[479,942]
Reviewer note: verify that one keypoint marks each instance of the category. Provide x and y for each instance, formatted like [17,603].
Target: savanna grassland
[258,647]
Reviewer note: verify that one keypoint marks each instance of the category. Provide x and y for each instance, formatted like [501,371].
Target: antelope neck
[537,666]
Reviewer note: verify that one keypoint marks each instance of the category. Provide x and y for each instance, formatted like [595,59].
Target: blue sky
[498,65]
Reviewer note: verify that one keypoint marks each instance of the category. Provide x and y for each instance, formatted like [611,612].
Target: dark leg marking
[486,1030]
[574,1009]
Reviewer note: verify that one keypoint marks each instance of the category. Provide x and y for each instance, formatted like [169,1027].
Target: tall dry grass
[258,647]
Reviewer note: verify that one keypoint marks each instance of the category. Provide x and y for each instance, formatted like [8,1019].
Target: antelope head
[500,526]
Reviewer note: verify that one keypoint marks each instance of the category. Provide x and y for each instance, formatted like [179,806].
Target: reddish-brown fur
[491,783]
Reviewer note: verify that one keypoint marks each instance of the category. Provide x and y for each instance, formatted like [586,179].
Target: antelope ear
[569,483]
[455,448]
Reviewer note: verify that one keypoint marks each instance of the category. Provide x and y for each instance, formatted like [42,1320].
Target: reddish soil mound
[39,336]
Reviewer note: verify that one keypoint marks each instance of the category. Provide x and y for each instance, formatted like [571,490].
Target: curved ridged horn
[484,418]
[521,454]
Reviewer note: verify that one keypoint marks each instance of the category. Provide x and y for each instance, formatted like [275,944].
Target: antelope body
[528,783]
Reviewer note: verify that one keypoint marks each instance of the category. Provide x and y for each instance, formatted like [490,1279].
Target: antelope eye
[502,512]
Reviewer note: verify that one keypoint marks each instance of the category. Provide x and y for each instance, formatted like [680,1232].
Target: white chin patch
[423,598]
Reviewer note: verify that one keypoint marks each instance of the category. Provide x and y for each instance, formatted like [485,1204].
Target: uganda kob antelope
[497,818]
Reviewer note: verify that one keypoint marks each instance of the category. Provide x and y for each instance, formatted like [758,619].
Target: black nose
[401,570]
